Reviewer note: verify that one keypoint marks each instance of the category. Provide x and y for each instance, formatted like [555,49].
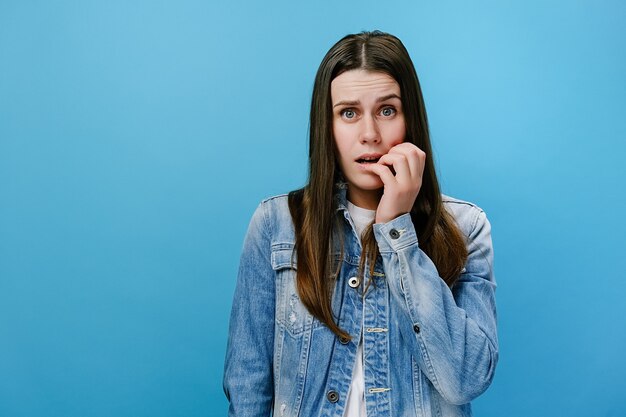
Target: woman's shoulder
[468,215]
[456,203]
[276,199]
[276,206]
[274,211]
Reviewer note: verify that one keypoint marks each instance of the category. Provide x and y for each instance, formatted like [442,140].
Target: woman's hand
[401,188]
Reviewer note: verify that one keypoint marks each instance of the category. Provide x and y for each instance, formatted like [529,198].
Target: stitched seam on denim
[304,360]
[473,229]
[266,222]
[279,330]
[418,399]
[473,244]
[388,343]
[435,404]
[406,245]
[428,362]
[274,197]
[278,333]
[282,246]
[279,263]
[459,202]
[420,341]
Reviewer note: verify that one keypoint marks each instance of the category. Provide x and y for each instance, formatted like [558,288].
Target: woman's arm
[451,332]
[248,382]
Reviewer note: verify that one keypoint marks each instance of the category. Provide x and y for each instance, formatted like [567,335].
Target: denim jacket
[428,349]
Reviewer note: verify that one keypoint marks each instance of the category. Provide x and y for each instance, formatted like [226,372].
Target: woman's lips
[368,158]
[365,166]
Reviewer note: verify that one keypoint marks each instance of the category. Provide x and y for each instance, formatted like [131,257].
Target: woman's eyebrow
[355,102]
[387,97]
[346,103]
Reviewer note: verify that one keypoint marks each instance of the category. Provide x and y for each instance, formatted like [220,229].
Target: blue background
[137,138]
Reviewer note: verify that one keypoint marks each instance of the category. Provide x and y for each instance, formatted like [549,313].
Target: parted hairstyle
[313,207]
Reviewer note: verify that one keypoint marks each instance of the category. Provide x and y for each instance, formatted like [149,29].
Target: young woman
[366,292]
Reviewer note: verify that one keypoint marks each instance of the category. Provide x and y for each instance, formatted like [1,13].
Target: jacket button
[344,340]
[353,282]
[332,396]
[416,328]
[394,234]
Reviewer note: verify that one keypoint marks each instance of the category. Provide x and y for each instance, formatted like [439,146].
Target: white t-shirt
[355,402]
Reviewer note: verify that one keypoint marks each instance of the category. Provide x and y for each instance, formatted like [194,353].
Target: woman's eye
[388,111]
[348,113]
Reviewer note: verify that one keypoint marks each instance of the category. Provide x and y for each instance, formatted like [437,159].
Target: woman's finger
[400,165]
[384,173]
[415,158]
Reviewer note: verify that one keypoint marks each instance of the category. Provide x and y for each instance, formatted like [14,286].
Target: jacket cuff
[396,234]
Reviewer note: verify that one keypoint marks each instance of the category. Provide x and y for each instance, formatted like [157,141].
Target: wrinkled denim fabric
[429,350]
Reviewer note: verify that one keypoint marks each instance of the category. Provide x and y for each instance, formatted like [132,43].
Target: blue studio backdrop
[137,138]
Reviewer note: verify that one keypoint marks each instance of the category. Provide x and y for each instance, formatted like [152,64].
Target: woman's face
[368,120]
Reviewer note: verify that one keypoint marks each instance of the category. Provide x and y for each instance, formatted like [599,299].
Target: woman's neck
[365,199]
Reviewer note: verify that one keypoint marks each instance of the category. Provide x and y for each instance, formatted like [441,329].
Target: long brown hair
[313,206]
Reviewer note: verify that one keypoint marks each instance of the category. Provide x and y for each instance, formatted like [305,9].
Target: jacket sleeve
[248,379]
[451,332]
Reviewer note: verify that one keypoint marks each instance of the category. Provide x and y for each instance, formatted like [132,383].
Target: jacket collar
[341,195]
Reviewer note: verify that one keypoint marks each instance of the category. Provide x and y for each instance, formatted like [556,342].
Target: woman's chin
[372,185]
[367,187]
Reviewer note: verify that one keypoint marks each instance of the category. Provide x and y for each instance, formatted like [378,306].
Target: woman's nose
[369,132]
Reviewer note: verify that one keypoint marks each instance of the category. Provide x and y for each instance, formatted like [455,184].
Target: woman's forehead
[353,84]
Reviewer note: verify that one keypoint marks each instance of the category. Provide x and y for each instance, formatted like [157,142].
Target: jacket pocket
[291,314]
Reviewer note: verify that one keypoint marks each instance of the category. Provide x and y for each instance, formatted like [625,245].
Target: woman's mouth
[367,160]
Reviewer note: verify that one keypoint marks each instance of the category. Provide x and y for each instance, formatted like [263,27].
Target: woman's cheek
[343,139]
